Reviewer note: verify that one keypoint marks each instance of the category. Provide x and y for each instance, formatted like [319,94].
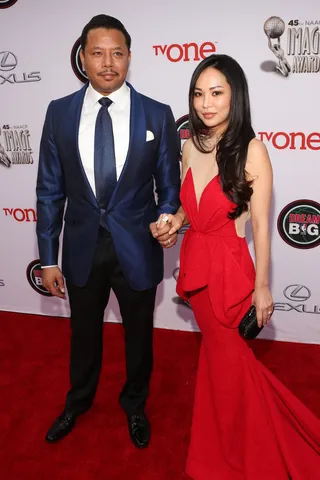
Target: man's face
[106,59]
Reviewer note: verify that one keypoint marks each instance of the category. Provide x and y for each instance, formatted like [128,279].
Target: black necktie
[105,173]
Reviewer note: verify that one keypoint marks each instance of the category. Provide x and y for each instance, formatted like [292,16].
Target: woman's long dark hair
[232,148]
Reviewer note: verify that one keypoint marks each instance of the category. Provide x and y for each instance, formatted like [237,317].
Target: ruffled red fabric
[246,424]
[213,255]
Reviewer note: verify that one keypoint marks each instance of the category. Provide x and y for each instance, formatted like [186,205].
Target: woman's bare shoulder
[257,158]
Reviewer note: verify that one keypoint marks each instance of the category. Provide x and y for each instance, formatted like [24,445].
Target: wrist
[181,216]
[258,286]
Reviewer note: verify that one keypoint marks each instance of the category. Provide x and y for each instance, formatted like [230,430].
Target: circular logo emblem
[34,276]
[297,293]
[299,224]
[183,229]
[183,130]
[274,27]
[179,300]
[175,273]
[7,3]
[8,61]
[76,62]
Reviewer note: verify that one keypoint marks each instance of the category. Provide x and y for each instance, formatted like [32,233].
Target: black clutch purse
[248,327]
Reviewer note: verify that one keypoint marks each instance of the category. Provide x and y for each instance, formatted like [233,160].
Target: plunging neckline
[205,188]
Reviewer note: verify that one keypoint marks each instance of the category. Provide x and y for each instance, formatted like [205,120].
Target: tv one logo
[299,224]
[292,141]
[21,215]
[186,52]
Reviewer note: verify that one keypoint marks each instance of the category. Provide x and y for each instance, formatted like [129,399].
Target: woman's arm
[168,225]
[258,169]
[185,166]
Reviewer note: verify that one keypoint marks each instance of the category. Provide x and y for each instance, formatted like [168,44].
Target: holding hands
[165,229]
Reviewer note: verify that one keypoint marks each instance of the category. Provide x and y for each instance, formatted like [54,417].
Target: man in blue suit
[102,150]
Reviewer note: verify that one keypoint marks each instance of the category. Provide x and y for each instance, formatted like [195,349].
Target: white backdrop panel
[38,38]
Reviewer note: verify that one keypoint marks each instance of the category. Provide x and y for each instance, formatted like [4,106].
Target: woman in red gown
[246,424]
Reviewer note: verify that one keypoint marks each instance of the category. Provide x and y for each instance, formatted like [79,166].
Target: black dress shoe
[61,427]
[139,429]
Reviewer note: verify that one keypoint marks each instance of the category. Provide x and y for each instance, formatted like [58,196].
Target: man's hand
[165,229]
[52,280]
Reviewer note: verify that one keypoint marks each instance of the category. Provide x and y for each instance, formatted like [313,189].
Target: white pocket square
[150,136]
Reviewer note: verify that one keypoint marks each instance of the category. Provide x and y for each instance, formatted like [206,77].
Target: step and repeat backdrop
[278,45]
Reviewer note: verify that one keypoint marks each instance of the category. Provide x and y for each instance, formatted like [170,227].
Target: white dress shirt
[120,115]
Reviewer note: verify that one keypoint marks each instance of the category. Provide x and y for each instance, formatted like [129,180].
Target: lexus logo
[297,296]
[297,293]
[8,61]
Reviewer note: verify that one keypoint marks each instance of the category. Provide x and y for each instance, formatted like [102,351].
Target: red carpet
[34,379]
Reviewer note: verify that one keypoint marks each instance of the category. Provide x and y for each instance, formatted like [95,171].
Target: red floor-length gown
[246,424]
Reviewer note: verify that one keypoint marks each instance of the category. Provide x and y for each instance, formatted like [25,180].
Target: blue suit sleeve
[167,174]
[51,195]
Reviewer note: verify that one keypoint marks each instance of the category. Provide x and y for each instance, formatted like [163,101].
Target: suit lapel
[136,144]
[73,119]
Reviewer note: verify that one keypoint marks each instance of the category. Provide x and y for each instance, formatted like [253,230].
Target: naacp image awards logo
[7,3]
[15,147]
[296,46]
[76,62]
[299,224]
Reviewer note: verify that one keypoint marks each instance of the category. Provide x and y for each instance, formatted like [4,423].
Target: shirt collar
[120,97]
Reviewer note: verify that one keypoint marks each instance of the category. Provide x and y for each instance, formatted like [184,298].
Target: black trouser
[87,310]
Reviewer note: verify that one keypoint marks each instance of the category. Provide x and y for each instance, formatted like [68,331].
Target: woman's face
[212,99]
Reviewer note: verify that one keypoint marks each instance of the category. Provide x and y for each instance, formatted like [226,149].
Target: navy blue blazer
[132,207]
